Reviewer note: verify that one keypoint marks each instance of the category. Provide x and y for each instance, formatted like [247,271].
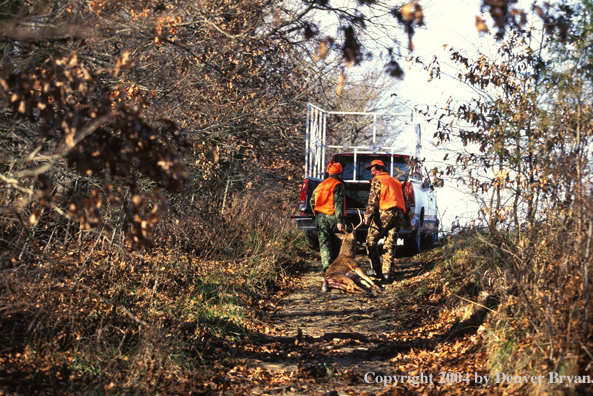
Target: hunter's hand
[367,221]
[341,227]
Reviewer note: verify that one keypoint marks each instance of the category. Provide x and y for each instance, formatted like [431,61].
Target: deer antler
[359,224]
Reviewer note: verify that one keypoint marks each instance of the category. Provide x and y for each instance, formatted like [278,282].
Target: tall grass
[539,277]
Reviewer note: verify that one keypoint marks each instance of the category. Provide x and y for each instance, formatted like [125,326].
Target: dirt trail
[325,343]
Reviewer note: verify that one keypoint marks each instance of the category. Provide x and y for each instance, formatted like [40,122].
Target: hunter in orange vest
[329,204]
[384,216]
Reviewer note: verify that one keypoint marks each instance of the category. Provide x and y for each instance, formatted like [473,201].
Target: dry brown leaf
[480,25]
[407,11]
[341,79]
[323,50]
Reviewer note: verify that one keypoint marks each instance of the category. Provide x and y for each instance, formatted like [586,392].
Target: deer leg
[354,288]
[324,286]
[351,289]
[347,288]
[365,279]
[342,282]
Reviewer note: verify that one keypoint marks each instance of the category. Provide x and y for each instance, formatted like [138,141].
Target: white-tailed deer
[342,272]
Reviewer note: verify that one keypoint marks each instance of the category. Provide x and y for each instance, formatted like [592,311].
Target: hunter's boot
[374,256]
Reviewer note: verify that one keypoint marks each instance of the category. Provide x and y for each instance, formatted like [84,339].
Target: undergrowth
[83,312]
[534,287]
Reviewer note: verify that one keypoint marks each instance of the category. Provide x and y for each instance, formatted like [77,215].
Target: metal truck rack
[315,140]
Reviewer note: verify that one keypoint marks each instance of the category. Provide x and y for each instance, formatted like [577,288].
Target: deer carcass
[344,270]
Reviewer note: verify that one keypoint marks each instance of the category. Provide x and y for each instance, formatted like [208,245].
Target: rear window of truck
[362,161]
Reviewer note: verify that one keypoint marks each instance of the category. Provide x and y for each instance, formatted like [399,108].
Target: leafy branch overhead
[97,132]
[506,16]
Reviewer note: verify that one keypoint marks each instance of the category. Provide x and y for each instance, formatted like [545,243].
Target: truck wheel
[312,239]
[413,243]
[430,238]
[435,235]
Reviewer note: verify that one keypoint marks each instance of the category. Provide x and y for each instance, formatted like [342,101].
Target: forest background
[151,153]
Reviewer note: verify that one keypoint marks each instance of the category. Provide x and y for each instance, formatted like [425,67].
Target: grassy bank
[531,289]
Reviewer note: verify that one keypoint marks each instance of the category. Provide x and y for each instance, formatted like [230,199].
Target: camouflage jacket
[374,198]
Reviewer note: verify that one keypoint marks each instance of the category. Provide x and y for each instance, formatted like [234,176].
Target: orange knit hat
[334,168]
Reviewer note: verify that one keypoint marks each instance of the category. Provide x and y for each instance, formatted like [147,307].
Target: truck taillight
[303,198]
[410,194]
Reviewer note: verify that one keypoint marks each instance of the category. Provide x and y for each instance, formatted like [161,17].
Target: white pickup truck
[418,187]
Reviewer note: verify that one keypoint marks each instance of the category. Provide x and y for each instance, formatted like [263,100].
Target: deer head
[349,243]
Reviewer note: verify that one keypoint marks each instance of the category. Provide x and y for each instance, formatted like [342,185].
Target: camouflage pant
[385,224]
[329,244]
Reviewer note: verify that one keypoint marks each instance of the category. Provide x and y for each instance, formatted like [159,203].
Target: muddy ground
[315,343]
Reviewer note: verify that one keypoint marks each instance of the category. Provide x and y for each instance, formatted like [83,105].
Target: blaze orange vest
[324,196]
[391,192]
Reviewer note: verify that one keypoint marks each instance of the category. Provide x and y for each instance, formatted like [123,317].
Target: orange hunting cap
[377,163]
[334,168]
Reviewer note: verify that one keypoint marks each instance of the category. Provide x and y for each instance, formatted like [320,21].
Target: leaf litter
[314,343]
[293,340]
